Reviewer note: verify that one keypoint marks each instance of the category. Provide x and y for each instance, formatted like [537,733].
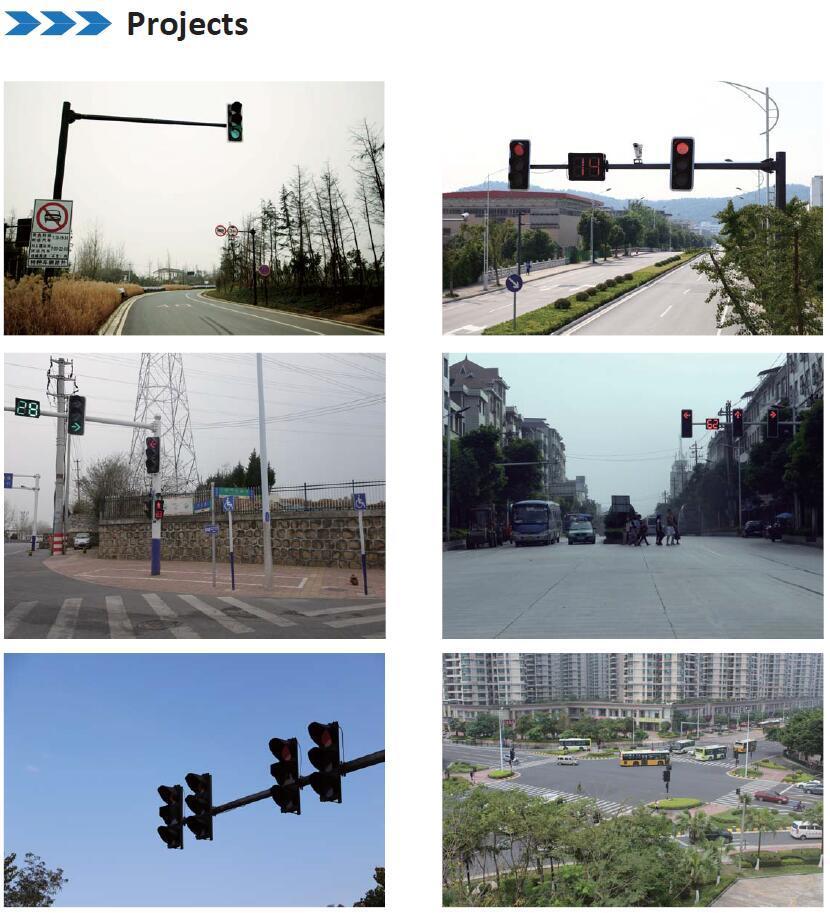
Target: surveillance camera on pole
[638,153]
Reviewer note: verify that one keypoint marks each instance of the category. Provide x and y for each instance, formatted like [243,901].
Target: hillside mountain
[695,209]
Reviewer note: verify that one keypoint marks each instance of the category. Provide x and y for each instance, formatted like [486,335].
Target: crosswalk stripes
[67,618]
[277,620]
[176,627]
[122,618]
[685,759]
[117,618]
[604,805]
[17,614]
[217,615]
[750,786]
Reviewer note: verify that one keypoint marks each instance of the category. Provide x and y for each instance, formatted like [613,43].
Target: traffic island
[558,314]
[675,805]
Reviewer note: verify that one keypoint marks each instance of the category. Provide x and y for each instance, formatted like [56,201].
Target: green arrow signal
[76,426]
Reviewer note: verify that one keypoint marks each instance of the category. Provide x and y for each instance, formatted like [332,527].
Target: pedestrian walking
[527,268]
[643,534]
[658,530]
[471,776]
[676,533]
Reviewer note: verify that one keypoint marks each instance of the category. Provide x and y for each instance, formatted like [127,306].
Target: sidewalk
[195,577]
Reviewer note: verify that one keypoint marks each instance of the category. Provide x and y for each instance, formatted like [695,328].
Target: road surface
[40,603]
[192,313]
[708,586]
[674,305]
[470,316]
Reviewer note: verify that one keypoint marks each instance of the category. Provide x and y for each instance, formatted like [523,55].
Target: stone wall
[310,539]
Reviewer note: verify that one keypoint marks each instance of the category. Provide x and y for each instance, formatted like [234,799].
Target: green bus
[710,752]
[644,757]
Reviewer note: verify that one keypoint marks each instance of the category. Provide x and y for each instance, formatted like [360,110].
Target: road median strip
[564,311]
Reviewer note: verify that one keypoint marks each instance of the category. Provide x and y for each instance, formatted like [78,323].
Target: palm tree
[699,868]
[766,821]
[696,826]
[815,815]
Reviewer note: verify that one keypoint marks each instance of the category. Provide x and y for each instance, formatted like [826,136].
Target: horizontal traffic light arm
[73,116]
[767,165]
[346,767]
[91,418]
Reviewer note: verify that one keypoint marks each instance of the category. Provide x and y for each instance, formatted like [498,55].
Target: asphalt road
[470,316]
[191,313]
[707,587]
[40,603]
[674,305]
[619,789]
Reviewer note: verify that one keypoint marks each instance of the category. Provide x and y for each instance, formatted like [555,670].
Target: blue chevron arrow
[97,22]
[26,22]
[62,22]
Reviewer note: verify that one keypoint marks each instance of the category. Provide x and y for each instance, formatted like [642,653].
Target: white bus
[803,830]
[681,744]
[710,752]
[575,744]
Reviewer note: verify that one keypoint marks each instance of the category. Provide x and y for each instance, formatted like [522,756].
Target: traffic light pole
[155,528]
[776,166]
[347,767]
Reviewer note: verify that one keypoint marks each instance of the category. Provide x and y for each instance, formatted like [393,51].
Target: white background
[433,58]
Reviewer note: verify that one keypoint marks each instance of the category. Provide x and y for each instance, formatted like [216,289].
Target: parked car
[802,830]
[811,783]
[764,796]
[82,540]
[726,836]
[814,790]
[753,528]
[581,531]
[566,760]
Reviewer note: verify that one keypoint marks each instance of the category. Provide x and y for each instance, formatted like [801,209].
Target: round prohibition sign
[220,230]
[48,219]
[233,231]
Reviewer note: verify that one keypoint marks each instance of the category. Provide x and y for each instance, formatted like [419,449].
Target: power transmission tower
[162,391]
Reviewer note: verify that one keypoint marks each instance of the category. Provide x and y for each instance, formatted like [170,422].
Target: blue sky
[89,737]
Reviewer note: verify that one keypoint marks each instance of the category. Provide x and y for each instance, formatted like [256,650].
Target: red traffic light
[518,149]
[682,148]
[773,413]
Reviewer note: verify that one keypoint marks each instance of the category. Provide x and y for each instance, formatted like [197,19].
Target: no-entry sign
[51,230]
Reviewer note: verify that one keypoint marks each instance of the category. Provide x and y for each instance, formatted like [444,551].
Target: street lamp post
[484,285]
[765,107]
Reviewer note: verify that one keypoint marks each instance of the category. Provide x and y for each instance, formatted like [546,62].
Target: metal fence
[285,499]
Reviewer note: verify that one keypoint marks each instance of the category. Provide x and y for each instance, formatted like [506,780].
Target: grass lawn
[462,767]
[544,320]
[772,765]
[676,804]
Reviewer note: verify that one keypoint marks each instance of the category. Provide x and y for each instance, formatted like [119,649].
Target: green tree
[632,229]
[484,726]
[602,229]
[805,466]
[376,896]
[483,445]
[105,478]
[763,820]
[522,482]
[803,733]
[616,237]
[770,269]
[32,884]
[253,474]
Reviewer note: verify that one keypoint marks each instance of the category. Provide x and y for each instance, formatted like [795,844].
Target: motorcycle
[774,531]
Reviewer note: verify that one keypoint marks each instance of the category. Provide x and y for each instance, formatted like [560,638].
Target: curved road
[191,313]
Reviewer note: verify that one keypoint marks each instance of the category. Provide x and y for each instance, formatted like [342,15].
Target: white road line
[64,625]
[160,607]
[16,615]
[686,291]
[217,615]
[667,310]
[277,620]
[117,617]
[468,330]
[313,613]
[352,622]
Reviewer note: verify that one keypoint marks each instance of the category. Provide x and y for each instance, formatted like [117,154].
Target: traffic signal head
[200,802]
[235,122]
[737,422]
[158,509]
[76,415]
[666,775]
[518,176]
[172,813]
[153,455]
[712,424]
[286,771]
[682,170]
[326,758]
[772,421]
[686,423]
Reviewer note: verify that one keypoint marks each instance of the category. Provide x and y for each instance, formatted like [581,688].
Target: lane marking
[667,310]
[64,625]
[117,618]
[314,613]
[217,615]
[686,291]
[14,617]
[277,620]
[351,622]
[165,613]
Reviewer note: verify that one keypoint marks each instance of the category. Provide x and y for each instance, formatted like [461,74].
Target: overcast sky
[348,442]
[160,188]
[581,117]
[619,415]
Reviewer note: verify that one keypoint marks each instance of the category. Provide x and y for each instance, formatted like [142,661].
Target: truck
[617,518]
[484,527]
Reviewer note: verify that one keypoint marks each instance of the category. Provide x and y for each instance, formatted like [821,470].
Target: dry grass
[172,287]
[62,306]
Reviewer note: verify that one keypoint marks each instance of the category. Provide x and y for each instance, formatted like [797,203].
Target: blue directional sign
[211,530]
[513,282]
[201,506]
[8,478]
[227,503]
[359,499]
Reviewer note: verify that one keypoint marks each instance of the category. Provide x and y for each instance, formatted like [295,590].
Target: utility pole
[155,528]
[60,455]
[267,557]
[78,478]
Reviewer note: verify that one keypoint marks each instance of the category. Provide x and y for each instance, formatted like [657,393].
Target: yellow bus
[745,745]
[644,757]
[710,752]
